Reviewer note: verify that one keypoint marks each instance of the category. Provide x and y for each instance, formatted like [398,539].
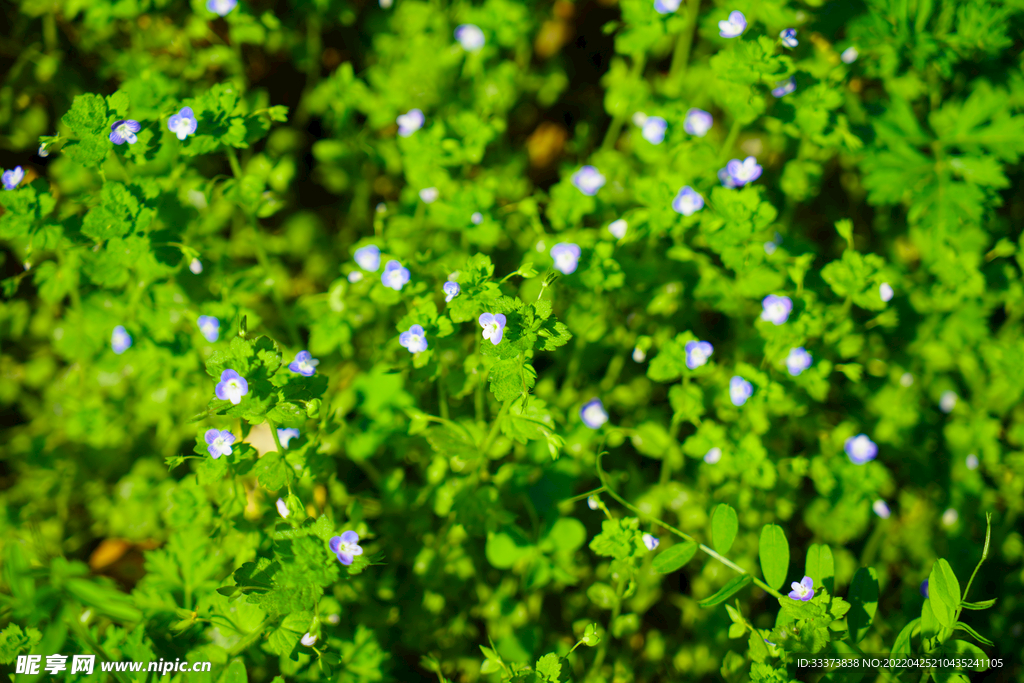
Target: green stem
[730,140]
[984,552]
[248,639]
[683,535]
[602,649]
[81,631]
[236,168]
[681,55]
[612,136]
[494,429]
[442,398]
[50,32]
[277,439]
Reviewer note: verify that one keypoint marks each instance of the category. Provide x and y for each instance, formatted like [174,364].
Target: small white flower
[308,640]
[618,228]
[948,401]
[592,502]
[972,462]
[355,276]
[282,508]
[950,517]
[881,509]
[713,456]
[429,195]
[906,380]
[639,355]
[196,266]
[477,218]
[885,291]
[470,37]
[650,541]
[849,55]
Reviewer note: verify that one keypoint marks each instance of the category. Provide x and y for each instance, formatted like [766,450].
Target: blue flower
[120,340]
[410,122]
[860,449]
[566,256]
[394,275]
[429,195]
[733,26]
[593,414]
[654,129]
[494,326]
[802,591]
[788,37]
[743,172]
[881,509]
[666,6]
[776,309]
[726,179]
[368,258]
[688,201]
[697,353]
[304,364]
[286,435]
[13,178]
[618,228]
[849,55]
[885,291]
[232,387]
[698,122]
[414,339]
[713,455]
[218,442]
[798,360]
[739,390]
[221,7]
[210,327]
[124,131]
[451,290]
[651,542]
[183,123]
[470,37]
[588,180]
[783,88]
[924,588]
[346,547]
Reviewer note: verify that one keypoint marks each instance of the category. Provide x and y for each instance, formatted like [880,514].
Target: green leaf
[273,472]
[87,120]
[863,599]
[724,525]
[821,567]
[961,626]
[980,605]
[901,646]
[235,673]
[774,552]
[674,558]
[602,595]
[502,552]
[944,593]
[727,591]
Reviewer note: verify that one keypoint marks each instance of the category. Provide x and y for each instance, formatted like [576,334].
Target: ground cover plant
[607,341]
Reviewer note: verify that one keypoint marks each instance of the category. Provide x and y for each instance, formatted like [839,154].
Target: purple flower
[727,180]
[218,442]
[409,122]
[593,414]
[232,387]
[788,37]
[120,340]
[588,180]
[654,129]
[494,326]
[13,178]
[698,122]
[924,588]
[451,290]
[304,364]
[414,339]
[346,547]
[776,309]
[368,258]
[885,291]
[688,201]
[566,256]
[221,7]
[697,353]
[124,131]
[733,26]
[860,449]
[743,172]
[470,37]
[666,6]
[394,275]
[210,327]
[740,390]
[798,360]
[849,55]
[183,123]
[881,509]
[286,435]
[802,591]
[651,542]
[783,88]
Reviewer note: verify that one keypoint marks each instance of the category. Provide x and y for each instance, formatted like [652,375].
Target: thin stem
[236,168]
[984,552]
[248,640]
[494,429]
[277,439]
[442,398]
[588,494]
[730,140]
[683,535]
[602,649]
[681,55]
[612,136]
